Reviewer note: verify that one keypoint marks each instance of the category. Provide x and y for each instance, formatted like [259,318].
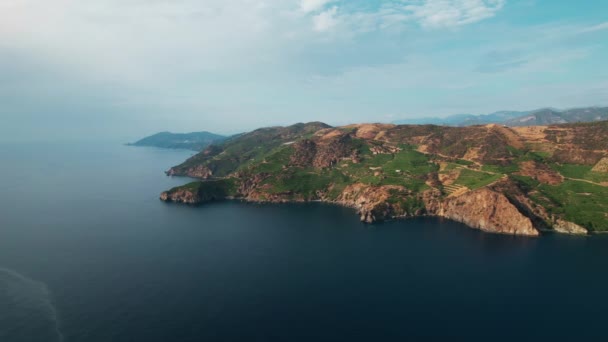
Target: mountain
[552,116]
[464,119]
[539,117]
[190,141]
[510,180]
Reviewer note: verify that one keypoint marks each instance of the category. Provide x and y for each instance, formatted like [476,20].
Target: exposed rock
[250,185]
[601,166]
[371,131]
[540,172]
[200,171]
[384,149]
[566,227]
[577,156]
[329,154]
[200,192]
[377,203]
[489,211]
[304,153]
[518,197]
[181,196]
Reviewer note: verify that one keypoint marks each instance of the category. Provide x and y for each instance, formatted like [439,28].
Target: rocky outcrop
[577,156]
[200,171]
[482,209]
[304,152]
[181,196]
[540,172]
[539,216]
[372,202]
[332,148]
[489,211]
[329,154]
[601,166]
[566,227]
[200,192]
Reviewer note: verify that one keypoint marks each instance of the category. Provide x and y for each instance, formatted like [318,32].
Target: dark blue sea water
[89,254]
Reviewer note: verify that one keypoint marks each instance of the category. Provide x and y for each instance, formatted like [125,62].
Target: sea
[88,253]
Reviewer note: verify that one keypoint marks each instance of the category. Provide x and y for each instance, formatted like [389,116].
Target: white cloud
[595,28]
[396,16]
[313,5]
[244,63]
[325,20]
[452,13]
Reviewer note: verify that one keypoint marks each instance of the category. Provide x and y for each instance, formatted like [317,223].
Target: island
[510,180]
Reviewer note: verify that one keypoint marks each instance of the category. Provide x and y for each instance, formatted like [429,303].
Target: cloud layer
[453,13]
[129,67]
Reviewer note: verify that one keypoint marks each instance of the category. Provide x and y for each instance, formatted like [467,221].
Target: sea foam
[27,312]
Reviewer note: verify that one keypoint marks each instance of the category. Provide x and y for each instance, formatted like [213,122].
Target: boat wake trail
[27,312]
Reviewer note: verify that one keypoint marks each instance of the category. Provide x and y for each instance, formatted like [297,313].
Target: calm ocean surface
[88,253]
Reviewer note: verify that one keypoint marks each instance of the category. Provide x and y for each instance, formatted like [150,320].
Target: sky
[122,69]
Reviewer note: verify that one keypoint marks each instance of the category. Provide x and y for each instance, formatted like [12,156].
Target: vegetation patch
[580,202]
[580,172]
[476,179]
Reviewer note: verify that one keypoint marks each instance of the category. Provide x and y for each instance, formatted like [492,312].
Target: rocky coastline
[483,209]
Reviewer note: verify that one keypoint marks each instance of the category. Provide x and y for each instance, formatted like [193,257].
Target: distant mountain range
[196,141]
[540,117]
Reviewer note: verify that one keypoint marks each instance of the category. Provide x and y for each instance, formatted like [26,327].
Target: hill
[190,141]
[519,180]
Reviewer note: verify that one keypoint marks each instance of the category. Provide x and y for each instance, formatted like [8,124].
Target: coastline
[364,214]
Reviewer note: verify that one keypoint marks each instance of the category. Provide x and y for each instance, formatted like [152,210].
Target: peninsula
[509,180]
[195,141]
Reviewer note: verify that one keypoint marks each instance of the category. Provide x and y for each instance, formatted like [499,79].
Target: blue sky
[120,69]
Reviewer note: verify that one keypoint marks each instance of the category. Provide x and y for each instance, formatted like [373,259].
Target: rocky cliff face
[200,171]
[489,211]
[377,203]
[181,196]
[483,209]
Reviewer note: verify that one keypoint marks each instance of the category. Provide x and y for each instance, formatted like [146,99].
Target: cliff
[518,181]
[489,211]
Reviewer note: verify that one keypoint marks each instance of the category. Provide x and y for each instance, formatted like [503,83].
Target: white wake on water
[30,296]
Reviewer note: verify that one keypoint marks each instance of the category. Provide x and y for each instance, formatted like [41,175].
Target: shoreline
[357,212]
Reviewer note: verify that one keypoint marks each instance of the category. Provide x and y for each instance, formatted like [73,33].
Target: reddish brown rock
[566,227]
[180,196]
[200,171]
[378,203]
[489,211]
[540,172]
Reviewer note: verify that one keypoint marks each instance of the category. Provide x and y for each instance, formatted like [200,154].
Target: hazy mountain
[464,119]
[545,116]
[550,116]
[190,141]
